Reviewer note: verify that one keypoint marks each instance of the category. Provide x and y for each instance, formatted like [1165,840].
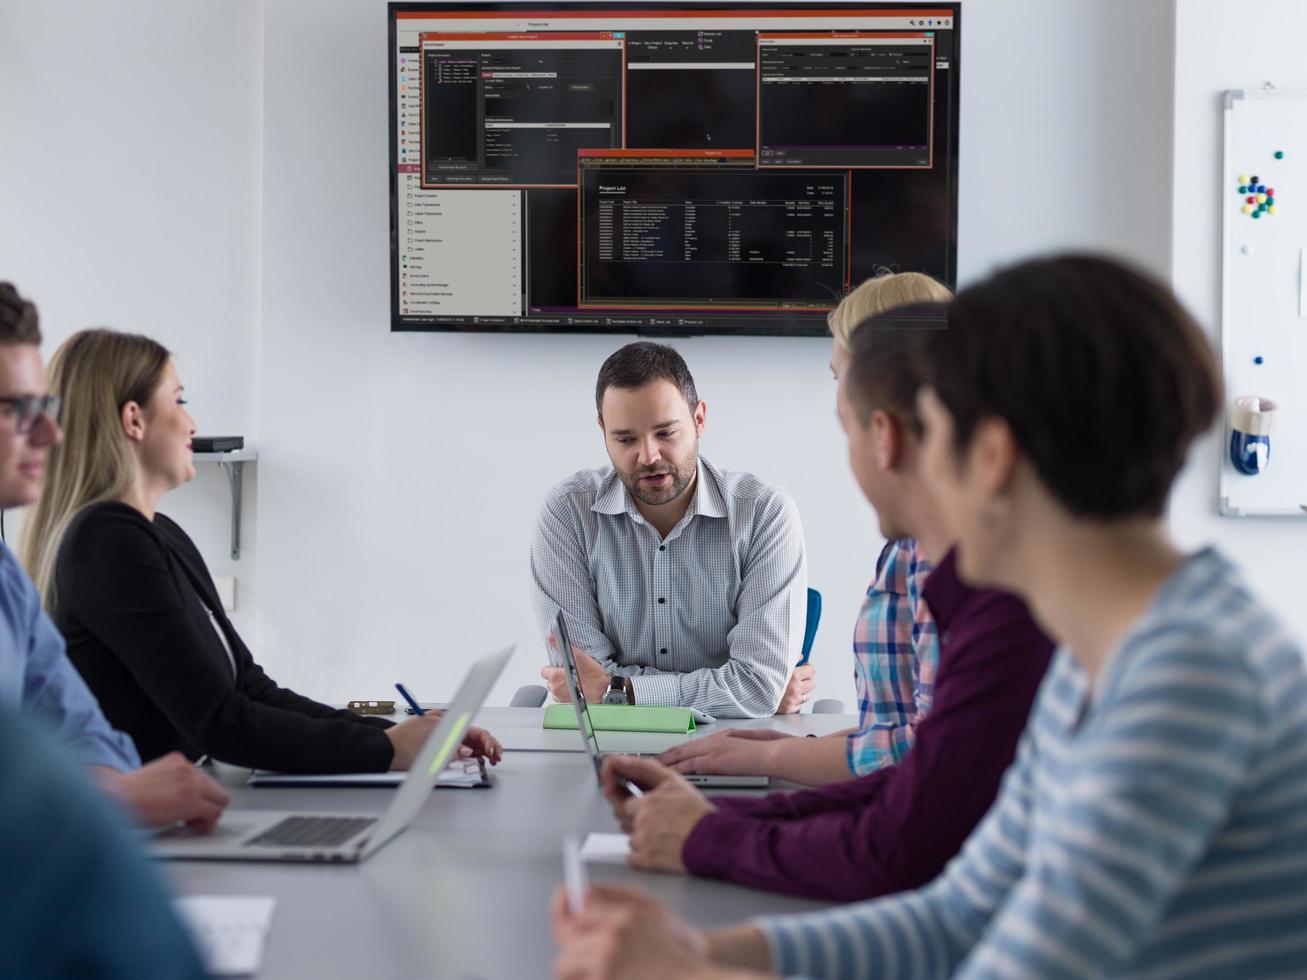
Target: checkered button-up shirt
[710,617]
[896,653]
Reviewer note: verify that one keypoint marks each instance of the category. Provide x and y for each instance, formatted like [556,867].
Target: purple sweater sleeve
[895,829]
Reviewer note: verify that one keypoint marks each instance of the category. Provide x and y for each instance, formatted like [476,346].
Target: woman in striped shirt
[1155,820]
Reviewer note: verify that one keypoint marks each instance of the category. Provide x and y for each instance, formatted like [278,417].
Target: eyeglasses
[28,409]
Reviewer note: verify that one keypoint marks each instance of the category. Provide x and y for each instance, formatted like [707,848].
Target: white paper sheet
[606,848]
[230,931]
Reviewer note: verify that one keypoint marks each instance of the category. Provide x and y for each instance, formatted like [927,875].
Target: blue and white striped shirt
[1154,828]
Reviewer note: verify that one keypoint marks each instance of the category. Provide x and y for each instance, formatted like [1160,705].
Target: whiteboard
[1264,295]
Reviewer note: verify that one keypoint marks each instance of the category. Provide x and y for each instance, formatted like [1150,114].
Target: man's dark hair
[1101,374]
[19,323]
[885,362]
[642,363]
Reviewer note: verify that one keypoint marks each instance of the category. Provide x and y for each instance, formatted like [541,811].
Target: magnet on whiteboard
[1246,249]
[1302,286]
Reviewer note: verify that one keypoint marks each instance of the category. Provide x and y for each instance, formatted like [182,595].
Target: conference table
[463,893]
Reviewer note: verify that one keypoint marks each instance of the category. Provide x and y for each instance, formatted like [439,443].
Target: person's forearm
[740,946]
[810,761]
[738,689]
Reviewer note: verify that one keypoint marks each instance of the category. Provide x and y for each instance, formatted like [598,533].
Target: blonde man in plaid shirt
[895,649]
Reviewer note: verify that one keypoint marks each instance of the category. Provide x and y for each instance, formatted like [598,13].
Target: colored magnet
[1270,209]
[1257,359]
[1257,214]
[1254,179]
[1270,192]
[1243,188]
[1243,179]
[1261,188]
[1261,198]
[1247,209]
[1279,154]
[1252,198]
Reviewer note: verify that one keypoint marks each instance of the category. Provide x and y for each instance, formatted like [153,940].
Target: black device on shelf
[665,167]
[217,444]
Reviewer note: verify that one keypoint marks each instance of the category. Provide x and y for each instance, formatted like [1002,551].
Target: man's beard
[681,478]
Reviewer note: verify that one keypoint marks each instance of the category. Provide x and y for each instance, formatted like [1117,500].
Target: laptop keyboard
[311,832]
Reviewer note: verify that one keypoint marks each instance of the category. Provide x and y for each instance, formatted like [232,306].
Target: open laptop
[591,742]
[274,835]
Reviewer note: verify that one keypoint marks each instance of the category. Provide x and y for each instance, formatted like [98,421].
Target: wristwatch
[616,693]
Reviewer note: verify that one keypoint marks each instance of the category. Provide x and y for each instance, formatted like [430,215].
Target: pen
[574,876]
[417,708]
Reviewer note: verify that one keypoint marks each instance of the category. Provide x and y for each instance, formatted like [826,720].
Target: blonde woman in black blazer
[137,605]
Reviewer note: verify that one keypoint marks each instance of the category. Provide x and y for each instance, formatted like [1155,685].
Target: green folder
[625,718]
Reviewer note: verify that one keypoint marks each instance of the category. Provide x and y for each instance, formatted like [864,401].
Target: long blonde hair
[880,294]
[96,373]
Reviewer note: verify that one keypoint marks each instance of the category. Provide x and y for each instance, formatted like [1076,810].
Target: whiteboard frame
[1226,472]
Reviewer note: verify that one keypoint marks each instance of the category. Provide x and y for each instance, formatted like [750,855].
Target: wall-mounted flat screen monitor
[665,168]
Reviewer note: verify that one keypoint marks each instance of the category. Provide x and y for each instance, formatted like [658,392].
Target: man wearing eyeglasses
[35,672]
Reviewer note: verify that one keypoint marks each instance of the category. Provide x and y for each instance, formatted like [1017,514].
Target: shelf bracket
[234,470]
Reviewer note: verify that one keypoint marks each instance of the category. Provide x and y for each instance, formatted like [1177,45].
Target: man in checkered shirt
[682,583]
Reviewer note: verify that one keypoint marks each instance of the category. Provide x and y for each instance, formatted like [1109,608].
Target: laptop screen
[574,690]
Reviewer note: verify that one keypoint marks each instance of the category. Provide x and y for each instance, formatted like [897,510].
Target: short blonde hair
[880,294]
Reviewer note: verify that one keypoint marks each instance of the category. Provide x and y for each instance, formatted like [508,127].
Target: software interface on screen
[665,168]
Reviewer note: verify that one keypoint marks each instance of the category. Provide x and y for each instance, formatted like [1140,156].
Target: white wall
[1214,53]
[130,167]
[400,473]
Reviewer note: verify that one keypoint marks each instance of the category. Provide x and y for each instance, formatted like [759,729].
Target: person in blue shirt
[35,672]
[77,897]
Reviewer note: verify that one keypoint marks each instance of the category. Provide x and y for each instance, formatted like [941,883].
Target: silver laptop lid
[577,697]
[439,748]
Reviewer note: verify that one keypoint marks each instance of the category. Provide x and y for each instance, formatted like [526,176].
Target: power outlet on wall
[226,591]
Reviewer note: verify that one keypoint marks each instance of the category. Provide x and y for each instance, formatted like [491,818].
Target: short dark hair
[885,362]
[19,323]
[1103,377]
[642,363]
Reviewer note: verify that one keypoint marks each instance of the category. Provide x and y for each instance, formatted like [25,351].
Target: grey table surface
[464,891]
[522,729]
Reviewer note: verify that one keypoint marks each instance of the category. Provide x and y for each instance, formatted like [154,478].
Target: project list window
[678,229]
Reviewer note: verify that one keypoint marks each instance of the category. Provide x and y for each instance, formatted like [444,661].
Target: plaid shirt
[896,655]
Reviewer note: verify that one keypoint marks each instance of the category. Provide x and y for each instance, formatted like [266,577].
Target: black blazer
[128,597]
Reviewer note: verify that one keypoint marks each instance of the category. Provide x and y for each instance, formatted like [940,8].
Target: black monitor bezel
[763,328]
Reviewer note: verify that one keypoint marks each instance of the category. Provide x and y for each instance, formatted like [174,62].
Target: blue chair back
[810,627]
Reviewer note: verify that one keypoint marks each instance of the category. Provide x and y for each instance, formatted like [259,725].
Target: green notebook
[625,718]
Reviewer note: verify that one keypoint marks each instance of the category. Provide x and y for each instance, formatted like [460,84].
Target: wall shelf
[232,464]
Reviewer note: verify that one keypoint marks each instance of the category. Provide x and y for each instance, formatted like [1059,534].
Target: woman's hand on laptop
[409,736]
[166,791]
[733,752]
[479,742]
